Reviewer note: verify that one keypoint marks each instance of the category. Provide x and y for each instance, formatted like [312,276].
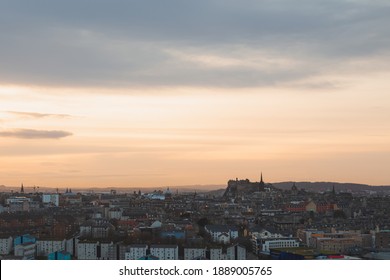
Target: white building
[194,253]
[87,250]
[217,254]
[107,250]
[264,234]
[165,252]
[234,252]
[17,199]
[6,245]
[45,247]
[51,199]
[25,250]
[115,213]
[71,245]
[222,233]
[267,244]
[136,252]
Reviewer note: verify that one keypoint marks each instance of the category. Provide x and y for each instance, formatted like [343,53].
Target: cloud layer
[35,115]
[35,134]
[218,43]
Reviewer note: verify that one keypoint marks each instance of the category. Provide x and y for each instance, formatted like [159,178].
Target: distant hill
[326,186]
[181,189]
[218,190]
[216,193]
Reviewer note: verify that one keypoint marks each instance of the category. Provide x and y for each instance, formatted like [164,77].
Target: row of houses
[28,247]
[310,206]
[263,241]
[171,252]
[345,242]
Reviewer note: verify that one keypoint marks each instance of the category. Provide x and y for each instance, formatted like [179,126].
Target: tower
[22,189]
[261,184]
[294,189]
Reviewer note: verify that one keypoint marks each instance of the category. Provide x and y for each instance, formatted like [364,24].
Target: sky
[171,93]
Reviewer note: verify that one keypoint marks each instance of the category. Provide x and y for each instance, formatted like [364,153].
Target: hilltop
[326,186]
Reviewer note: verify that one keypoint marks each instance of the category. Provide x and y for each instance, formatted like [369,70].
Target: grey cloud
[124,43]
[35,134]
[37,115]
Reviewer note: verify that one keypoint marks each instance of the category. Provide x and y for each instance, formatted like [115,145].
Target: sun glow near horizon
[203,136]
[194,94]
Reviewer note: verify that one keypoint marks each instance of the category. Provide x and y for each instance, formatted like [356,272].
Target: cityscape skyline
[172,94]
[244,221]
[318,186]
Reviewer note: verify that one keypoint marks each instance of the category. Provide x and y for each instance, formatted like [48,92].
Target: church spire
[261,184]
[22,189]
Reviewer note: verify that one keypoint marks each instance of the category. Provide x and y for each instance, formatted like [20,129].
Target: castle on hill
[237,187]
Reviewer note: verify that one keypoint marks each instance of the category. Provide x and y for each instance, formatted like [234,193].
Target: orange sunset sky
[156,93]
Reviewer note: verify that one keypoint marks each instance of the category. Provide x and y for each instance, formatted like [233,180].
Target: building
[176,234]
[240,187]
[17,199]
[59,255]
[263,246]
[6,245]
[96,228]
[311,206]
[296,206]
[192,253]
[382,239]
[337,245]
[165,252]
[107,250]
[26,238]
[222,233]
[73,199]
[52,199]
[18,203]
[48,246]
[217,253]
[135,252]
[324,206]
[263,233]
[71,245]
[305,235]
[91,250]
[87,250]
[337,242]
[234,252]
[114,213]
[25,250]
